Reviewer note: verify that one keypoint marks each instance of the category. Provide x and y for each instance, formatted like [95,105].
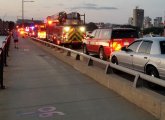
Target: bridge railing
[104,72]
[3,58]
[109,67]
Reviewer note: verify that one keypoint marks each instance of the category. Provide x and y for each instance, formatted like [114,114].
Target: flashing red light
[49,22]
[58,42]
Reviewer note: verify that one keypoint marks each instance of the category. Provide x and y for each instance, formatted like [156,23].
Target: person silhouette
[15,37]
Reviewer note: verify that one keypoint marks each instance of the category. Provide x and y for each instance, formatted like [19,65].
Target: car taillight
[116,46]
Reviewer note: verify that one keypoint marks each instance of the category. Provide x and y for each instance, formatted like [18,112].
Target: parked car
[146,55]
[104,41]
[151,35]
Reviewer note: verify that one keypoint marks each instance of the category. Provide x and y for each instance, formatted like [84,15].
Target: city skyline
[107,11]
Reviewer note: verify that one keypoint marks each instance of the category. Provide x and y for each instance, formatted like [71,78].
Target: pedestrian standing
[15,37]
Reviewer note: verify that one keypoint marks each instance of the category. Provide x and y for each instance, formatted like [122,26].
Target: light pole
[23,10]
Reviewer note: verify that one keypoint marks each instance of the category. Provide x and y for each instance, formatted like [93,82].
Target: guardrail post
[1,69]
[90,62]
[108,69]
[68,53]
[77,57]
[136,82]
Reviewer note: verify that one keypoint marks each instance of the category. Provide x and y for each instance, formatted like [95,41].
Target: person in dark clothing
[15,37]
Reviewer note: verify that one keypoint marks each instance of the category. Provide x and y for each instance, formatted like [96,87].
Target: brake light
[50,22]
[116,46]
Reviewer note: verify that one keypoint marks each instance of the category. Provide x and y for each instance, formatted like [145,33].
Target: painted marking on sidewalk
[26,50]
[43,112]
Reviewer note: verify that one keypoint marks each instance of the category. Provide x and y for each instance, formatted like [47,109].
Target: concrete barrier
[146,99]
[163,111]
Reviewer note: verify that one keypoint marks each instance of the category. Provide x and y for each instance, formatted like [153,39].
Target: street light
[23,10]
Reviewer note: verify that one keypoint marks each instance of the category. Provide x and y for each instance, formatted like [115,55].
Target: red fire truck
[65,28]
[41,31]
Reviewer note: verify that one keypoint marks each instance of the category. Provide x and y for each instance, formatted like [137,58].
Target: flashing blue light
[32,27]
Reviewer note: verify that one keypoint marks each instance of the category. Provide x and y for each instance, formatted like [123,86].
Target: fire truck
[41,33]
[65,28]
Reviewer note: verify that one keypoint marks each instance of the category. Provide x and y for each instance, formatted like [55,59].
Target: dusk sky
[108,11]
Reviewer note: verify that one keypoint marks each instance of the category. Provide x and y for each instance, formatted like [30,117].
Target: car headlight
[66,29]
[82,29]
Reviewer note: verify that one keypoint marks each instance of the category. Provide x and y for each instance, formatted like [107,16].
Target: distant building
[108,25]
[147,22]
[138,17]
[130,21]
[100,25]
[158,22]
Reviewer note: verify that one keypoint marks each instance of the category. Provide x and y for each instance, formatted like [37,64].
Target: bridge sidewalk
[39,86]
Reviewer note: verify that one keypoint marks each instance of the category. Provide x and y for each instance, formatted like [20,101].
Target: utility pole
[23,1]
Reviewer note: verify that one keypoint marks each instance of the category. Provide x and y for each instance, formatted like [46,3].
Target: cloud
[94,8]
[91,6]
[52,6]
[47,7]
[60,4]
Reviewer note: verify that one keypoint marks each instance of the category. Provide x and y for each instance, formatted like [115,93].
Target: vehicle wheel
[85,51]
[114,60]
[152,71]
[102,54]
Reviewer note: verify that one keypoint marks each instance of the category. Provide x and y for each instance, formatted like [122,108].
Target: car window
[145,47]
[93,33]
[105,34]
[162,47]
[124,33]
[97,33]
[134,46]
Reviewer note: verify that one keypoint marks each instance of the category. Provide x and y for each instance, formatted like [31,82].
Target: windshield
[124,34]
[73,15]
[42,29]
[162,47]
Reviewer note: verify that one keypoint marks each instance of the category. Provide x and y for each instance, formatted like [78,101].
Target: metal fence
[109,66]
[3,58]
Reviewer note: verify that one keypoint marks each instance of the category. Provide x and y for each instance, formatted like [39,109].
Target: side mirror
[91,36]
[124,48]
